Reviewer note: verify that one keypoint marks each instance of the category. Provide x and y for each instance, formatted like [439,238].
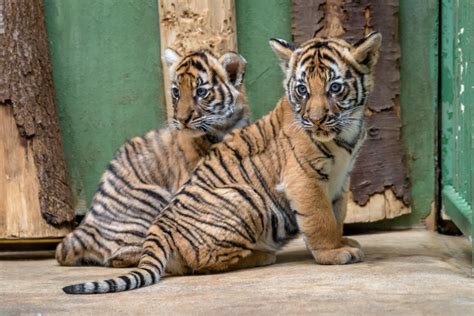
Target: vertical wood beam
[187,25]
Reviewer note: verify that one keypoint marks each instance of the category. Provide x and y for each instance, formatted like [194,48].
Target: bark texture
[381,163]
[26,86]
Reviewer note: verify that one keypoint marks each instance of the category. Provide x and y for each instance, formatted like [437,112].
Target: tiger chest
[344,164]
[335,170]
[340,168]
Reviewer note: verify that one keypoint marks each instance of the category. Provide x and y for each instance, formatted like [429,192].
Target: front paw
[349,242]
[344,255]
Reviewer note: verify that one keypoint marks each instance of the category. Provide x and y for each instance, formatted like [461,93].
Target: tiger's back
[146,171]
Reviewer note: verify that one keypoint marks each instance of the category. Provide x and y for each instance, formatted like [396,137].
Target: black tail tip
[70,289]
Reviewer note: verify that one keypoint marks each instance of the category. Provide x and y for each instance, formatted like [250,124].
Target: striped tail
[152,266]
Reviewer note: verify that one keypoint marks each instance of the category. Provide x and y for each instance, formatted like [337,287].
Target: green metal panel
[257,22]
[457,115]
[106,66]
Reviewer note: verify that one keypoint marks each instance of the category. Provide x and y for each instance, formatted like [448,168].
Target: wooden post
[34,196]
[187,25]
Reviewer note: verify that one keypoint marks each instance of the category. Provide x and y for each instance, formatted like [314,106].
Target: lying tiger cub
[208,102]
[284,174]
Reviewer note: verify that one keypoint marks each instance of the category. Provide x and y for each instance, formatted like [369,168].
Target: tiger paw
[344,255]
[349,242]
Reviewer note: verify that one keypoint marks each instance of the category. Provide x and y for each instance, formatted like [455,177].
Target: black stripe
[157,242]
[131,232]
[112,285]
[329,58]
[211,171]
[292,149]
[125,206]
[93,237]
[195,248]
[264,185]
[104,215]
[247,198]
[130,163]
[152,274]
[140,277]
[150,253]
[225,227]
[126,280]
[274,224]
[223,164]
[322,176]
[231,209]
[343,144]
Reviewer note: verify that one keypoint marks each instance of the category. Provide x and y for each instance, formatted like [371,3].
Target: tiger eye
[335,87]
[175,92]
[201,92]
[301,89]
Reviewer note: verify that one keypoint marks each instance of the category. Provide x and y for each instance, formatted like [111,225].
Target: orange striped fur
[147,171]
[286,173]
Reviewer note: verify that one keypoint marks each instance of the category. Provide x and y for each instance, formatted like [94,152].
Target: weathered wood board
[20,211]
[33,183]
[193,24]
[380,186]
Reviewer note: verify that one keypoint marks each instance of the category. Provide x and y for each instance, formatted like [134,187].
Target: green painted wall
[257,22]
[106,66]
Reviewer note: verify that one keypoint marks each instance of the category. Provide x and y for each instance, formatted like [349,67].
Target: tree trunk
[194,24]
[34,193]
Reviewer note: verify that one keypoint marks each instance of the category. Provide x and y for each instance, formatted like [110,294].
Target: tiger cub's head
[328,82]
[206,92]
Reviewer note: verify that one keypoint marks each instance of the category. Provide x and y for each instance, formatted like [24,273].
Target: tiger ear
[283,50]
[170,57]
[234,65]
[366,51]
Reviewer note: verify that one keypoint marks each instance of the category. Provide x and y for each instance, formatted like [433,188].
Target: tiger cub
[208,103]
[284,174]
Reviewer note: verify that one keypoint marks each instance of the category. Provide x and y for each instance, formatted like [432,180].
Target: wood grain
[20,212]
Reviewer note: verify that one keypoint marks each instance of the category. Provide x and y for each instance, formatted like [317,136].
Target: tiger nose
[319,121]
[185,119]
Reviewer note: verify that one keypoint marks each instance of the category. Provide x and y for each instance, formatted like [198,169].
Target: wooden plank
[195,24]
[20,211]
[33,180]
[381,166]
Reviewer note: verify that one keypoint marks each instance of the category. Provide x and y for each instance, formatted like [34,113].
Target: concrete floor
[407,273]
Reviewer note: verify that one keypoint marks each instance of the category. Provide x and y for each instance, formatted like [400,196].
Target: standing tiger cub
[208,102]
[284,174]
